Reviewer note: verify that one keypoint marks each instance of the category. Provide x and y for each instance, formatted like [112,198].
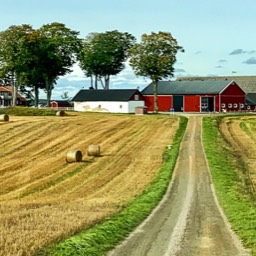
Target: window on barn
[223,105]
[248,107]
[229,105]
[136,97]
[241,105]
[121,106]
[235,105]
[99,106]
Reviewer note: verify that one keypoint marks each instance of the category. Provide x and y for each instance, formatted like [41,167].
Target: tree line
[36,58]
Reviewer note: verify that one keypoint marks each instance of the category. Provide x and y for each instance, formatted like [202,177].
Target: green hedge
[26,111]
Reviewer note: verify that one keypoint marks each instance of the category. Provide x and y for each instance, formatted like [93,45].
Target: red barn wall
[54,104]
[233,89]
[140,97]
[217,103]
[233,97]
[149,102]
[164,102]
[191,103]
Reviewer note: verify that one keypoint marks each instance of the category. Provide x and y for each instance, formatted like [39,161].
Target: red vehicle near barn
[196,96]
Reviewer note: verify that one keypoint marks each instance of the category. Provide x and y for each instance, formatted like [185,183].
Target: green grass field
[227,170]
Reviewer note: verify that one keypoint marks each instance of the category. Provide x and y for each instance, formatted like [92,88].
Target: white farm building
[112,100]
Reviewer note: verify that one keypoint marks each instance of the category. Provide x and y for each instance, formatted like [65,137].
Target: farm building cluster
[186,94]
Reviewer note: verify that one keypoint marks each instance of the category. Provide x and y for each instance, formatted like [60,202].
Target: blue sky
[218,36]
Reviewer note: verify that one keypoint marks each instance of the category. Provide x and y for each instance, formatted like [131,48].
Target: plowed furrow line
[88,172]
[41,180]
[119,167]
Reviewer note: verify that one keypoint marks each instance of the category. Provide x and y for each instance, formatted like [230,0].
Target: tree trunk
[107,79]
[96,82]
[101,82]
[14,90]
[36,96]
[49,86]
[155,86]
[91,81]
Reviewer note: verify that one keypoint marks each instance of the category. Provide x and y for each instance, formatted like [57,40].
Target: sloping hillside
[43,198]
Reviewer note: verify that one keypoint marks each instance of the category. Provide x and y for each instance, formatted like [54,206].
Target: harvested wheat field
[240,132]
[43,198]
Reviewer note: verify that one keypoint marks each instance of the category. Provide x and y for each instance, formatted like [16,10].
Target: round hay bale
[93,150]
[60,113]
[74,156]
[4,118]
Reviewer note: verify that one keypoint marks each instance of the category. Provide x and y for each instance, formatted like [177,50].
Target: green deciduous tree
[104,54]
[12,62]
[38,57]
[59,48]
[154,58]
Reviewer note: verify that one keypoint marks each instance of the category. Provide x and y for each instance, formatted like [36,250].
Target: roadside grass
[103,237]
[229,177]
[26,111]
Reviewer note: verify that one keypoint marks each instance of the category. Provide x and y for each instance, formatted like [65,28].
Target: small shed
[112,100]
[196,96]
[141,110]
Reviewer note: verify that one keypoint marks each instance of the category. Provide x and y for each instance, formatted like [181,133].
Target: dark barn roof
[105,95]
[247,83]
[251,99]
[188,87]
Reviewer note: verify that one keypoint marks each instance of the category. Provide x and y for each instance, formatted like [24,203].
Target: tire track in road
[188,221]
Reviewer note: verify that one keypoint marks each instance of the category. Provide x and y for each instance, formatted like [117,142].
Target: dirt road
[188,221]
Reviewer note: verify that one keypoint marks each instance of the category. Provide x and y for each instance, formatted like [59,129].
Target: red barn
[56,104]
[196,96]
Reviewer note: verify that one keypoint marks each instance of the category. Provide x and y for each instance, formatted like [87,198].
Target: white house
[113,100]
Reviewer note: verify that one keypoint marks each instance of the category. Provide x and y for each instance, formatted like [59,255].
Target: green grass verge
[103,237]
[231,184]
[26,111]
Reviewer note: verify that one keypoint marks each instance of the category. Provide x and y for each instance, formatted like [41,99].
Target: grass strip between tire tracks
[233,194]
[103,237]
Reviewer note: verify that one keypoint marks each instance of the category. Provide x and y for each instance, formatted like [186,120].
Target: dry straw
[74,156]
[4,118]
[93,150]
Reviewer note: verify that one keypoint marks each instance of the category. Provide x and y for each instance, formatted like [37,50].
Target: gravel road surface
[188,221]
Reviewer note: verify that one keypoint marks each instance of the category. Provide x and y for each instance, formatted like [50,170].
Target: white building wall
[108,106]
[134,104]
